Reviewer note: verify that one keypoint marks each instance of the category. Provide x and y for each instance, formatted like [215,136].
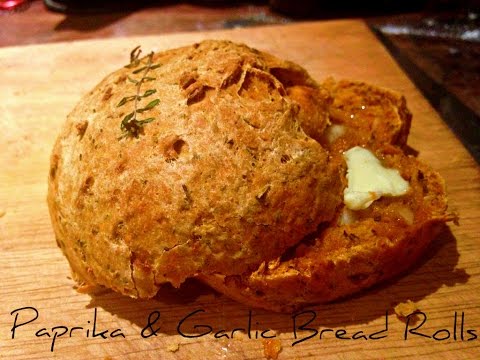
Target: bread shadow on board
[199,305]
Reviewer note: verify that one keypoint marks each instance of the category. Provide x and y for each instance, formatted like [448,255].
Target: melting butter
[347,217]
[368,180]
[333,132]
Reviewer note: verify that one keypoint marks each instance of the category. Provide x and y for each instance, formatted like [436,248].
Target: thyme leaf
[134,55]
[125,99]
[149,92]
[128,117]
[139,70]
[149,106]
[146,121]
[132,80]
[133,97]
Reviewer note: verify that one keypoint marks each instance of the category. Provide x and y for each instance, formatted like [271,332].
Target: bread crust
[223,179]
[341,259]
[359,248]
[235,181]
[371,114]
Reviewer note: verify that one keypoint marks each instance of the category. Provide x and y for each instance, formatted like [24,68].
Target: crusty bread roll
[357,249]
[222,162]
[189,161]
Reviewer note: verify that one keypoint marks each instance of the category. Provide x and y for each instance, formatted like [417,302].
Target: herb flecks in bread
[360,248]
[346,256]
[239,180]
[223,179]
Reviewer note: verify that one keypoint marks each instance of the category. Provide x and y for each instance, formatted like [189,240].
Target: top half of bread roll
[190,161]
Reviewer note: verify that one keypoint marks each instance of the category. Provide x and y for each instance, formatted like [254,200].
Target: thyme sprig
[130,124]
[134,55]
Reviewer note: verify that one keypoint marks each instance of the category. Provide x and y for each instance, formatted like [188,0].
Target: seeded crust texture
[222,180]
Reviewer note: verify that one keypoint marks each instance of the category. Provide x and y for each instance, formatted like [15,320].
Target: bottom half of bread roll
[358,250]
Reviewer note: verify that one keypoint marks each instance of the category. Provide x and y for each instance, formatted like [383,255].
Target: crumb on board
[405,309]
[271,348]
[89,289]
[173,347]
[107,358]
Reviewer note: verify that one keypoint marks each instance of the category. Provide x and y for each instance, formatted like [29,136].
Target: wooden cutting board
[41,84]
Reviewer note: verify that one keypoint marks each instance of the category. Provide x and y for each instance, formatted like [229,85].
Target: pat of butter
[333,132]
[368,180]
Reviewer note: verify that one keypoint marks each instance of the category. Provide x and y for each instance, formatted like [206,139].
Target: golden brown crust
[314,108]
[343,258]
[370,114]
[360,248]
[223,178]
[226,183]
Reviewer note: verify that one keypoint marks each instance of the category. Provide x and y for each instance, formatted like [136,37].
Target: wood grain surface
[40,84]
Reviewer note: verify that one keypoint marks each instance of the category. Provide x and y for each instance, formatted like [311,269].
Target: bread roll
[357,250]
[361,248]
[189,161]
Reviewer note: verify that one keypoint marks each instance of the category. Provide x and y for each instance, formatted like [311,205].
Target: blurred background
[40,21]
[30,21]
[302,8]
[437,43]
